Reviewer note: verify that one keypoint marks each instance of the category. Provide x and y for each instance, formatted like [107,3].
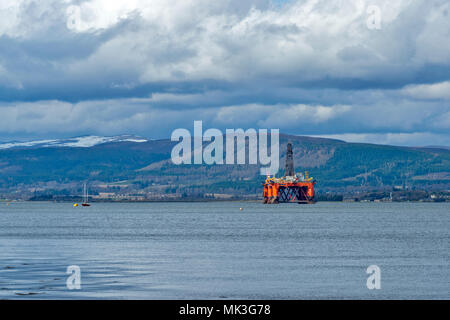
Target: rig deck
[281,192]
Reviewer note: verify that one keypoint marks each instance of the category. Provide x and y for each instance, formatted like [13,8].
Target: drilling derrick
[289,171]
[290,188]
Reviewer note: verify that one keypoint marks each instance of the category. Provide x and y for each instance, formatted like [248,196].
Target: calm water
[217,251]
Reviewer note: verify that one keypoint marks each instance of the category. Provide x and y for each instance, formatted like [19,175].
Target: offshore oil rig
[290,188]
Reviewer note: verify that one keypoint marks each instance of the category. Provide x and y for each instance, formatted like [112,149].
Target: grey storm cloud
[312,67]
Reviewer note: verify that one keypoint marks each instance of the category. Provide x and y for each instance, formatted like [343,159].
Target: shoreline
[206,201]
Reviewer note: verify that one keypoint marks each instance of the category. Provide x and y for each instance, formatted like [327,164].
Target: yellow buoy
[75,204]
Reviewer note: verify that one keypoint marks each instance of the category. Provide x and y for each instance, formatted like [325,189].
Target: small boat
[85,197]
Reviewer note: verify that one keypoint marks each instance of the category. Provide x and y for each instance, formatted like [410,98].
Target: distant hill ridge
[144,165]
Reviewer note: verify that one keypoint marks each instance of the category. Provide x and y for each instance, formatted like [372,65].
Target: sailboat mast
[85,196]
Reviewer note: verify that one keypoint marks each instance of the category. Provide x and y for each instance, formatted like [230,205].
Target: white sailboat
[85,196]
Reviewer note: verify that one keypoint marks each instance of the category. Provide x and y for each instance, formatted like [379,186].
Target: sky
[363,71]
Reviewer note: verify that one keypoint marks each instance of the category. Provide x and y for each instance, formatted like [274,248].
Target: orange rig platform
[290,188]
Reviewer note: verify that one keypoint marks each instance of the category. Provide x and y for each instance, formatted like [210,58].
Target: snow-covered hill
[80,142]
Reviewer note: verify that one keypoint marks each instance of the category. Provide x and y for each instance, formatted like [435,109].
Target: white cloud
[310,40]
[429,91]
[91,16]
[415,139]
[9,17]
[233,41]
[140,116]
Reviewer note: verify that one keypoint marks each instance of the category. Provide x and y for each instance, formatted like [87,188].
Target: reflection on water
[217,251]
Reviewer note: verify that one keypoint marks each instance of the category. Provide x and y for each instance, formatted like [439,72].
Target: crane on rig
[293,187]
